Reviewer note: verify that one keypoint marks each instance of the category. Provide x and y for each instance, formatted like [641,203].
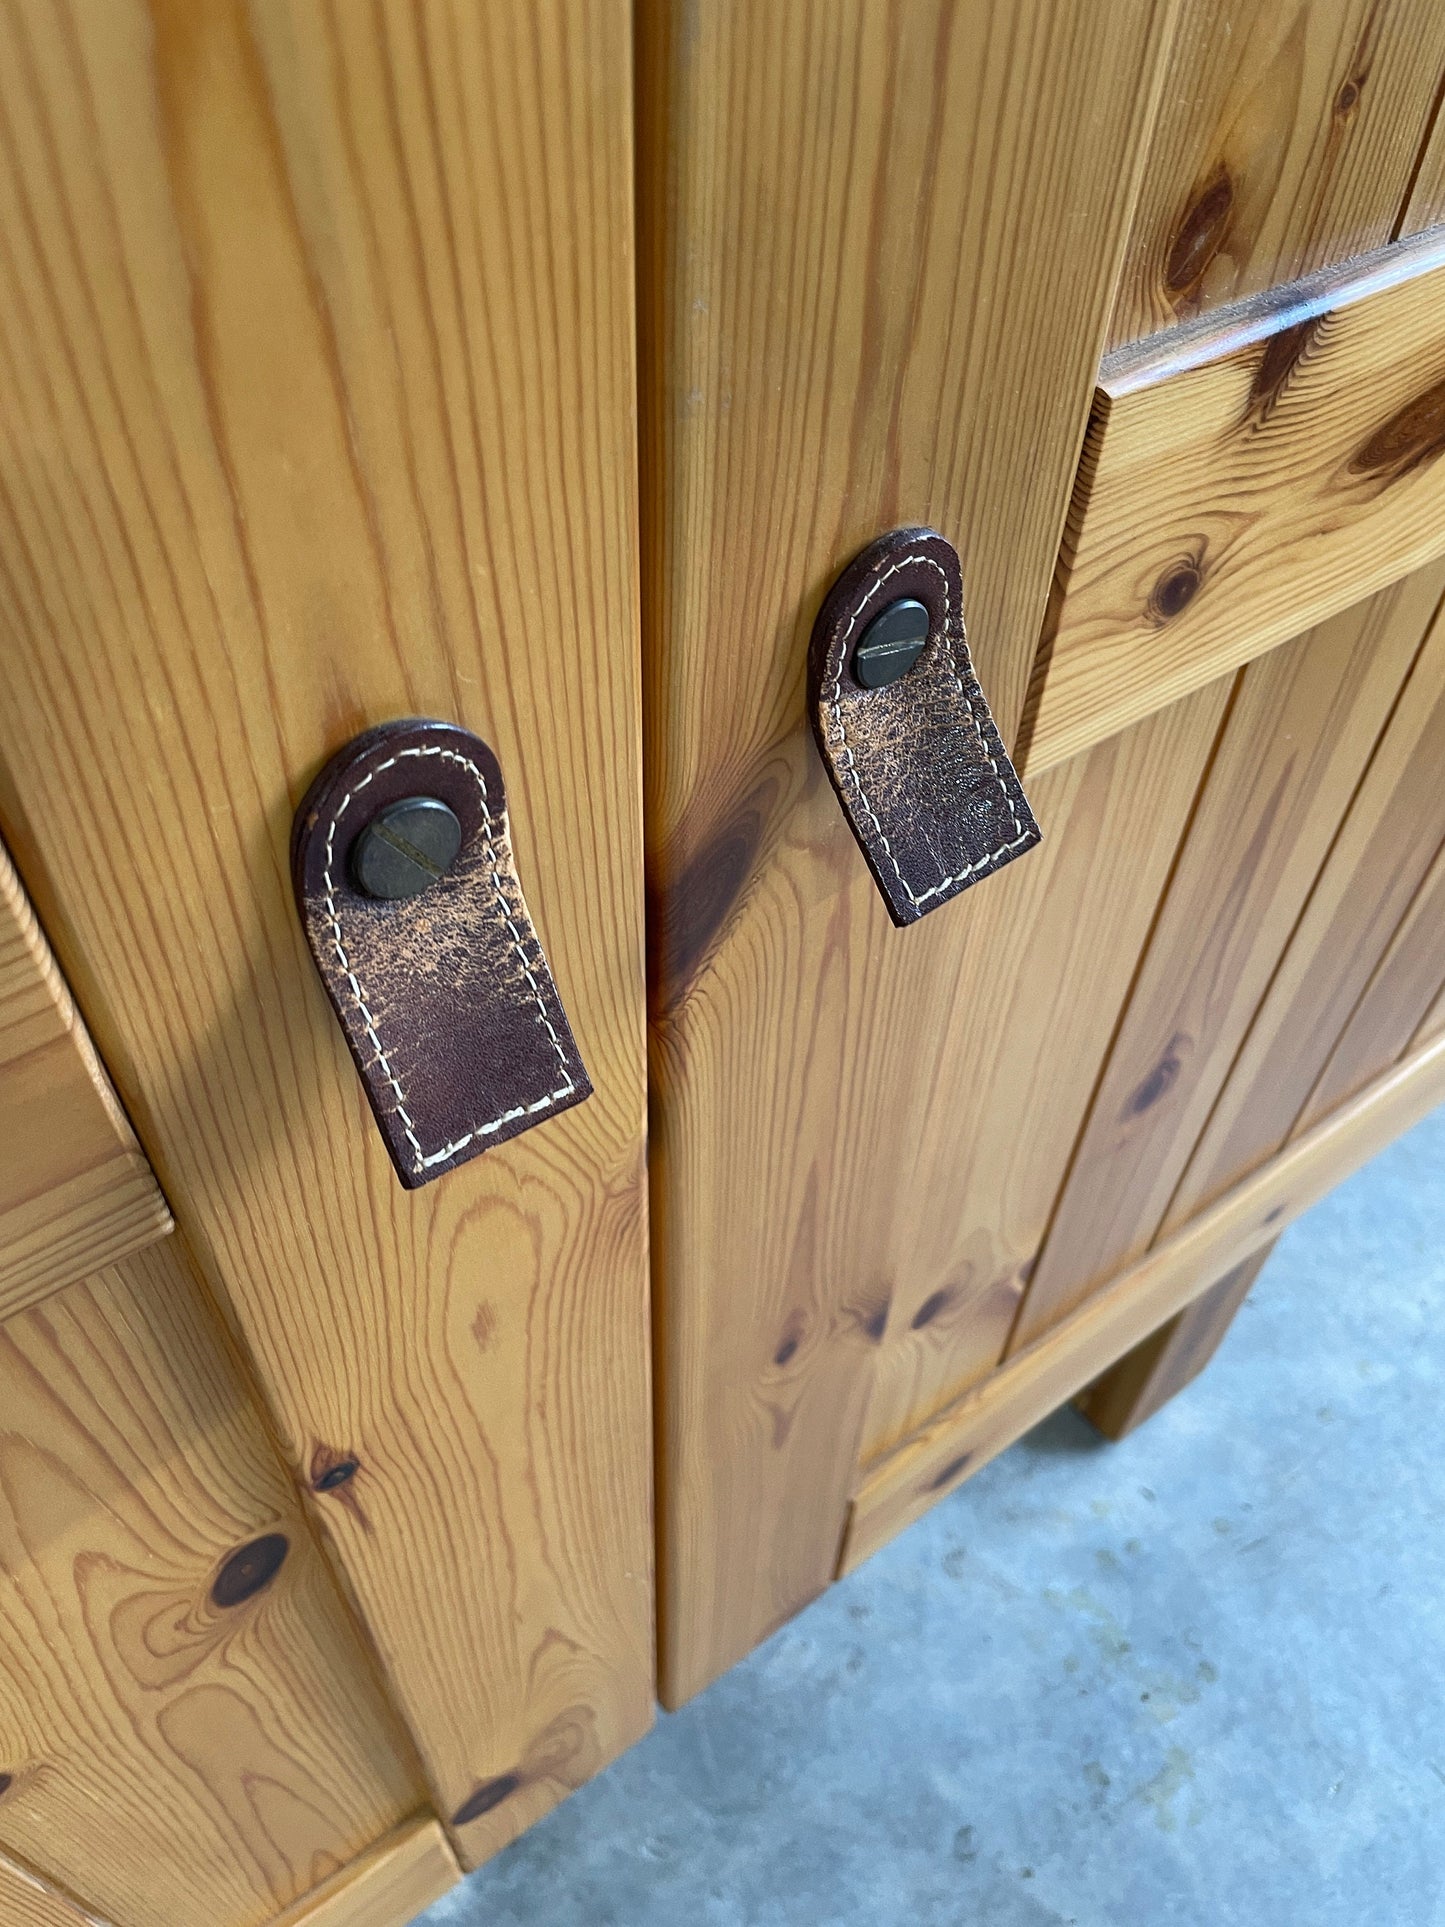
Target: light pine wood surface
[1385,845]
[1396,1000]
[76,1191]
[1426,205]
[878,246]
[385,1887]
[1286,139]
[190,1729]
[1045,967]
[28,1901]
[1243,479]
[1433,1024]
[1303,726]
[317,409]
[963,1438]
[1169,1359]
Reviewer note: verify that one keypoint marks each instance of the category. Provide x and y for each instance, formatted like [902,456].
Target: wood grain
[1395,1002]
[28,1901]
[1433,1025]
[76,1192]
[1171,1358]
[386,1887]
[1425,207]
[1385,845]
[1043,972]
[189,1727]
[1285,142]
[878,245]
[962,1439]
[1242,480]
[316,409]
[1303,726]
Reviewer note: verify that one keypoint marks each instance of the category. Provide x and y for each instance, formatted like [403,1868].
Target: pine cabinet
[538,370]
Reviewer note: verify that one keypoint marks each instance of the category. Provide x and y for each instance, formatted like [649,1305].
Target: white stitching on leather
[424,1160]
[835,697]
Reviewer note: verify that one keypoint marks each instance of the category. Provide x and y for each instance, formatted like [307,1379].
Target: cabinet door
[317,411]
[914,1187]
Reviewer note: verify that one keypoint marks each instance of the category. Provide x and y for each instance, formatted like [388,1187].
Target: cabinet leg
[1165,1362]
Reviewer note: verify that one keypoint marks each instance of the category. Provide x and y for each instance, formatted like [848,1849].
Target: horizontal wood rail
[386,1887]
[1244,477]
[979,1425]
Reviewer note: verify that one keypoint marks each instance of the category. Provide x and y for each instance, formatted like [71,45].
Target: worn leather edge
[937,706]
[517,1023]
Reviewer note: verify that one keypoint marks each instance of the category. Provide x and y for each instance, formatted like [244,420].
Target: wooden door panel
[1375,868]
[1044,968]
[1303,727]
[1286,141]
[1433,1024]
[989,1417]
[190,1729]
[878,249]
[1242,480]
[76,1192]
[317,409]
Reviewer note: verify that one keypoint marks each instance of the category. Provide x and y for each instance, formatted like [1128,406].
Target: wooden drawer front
[1244,477]
[76,1191]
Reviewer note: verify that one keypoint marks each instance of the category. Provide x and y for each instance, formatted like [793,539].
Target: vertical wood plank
[1432,1025]
[989,1417]
[1286,141]
[1305,722]
[190,1729]
[76,1192]
[1385,845]
[1149,1376]
[878,246]
[317,408]
[1046,967]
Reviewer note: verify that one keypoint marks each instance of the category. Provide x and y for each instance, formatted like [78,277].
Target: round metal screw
[406,849]
[891,644]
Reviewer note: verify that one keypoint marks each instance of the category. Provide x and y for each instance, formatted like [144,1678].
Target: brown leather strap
[924,780]
[445,997]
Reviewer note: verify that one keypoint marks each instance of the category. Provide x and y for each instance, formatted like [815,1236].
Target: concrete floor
[1195,1678]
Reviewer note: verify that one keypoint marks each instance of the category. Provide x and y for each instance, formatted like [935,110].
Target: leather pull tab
[924,779]
[402,864]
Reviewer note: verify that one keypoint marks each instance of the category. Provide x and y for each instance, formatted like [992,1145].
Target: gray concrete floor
[1198,1677]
